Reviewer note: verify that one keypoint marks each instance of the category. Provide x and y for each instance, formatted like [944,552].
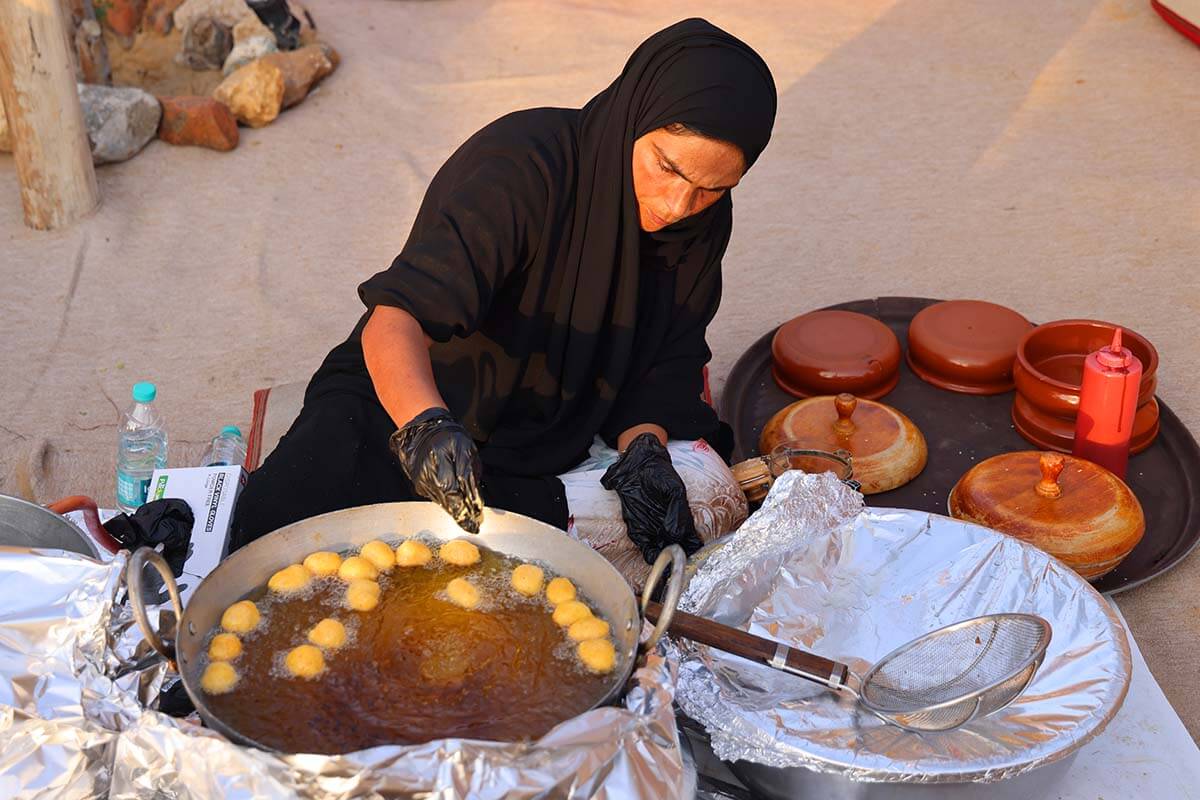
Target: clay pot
[1075,510]
[1048,372]
[830,352]
[966,346]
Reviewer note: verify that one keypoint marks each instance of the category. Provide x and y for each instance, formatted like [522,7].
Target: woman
[555,287]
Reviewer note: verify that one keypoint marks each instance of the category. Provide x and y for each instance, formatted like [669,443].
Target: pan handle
[137,596]
[677,559]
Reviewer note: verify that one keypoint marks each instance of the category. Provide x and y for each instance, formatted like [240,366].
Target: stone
[249,27]
[227,12]
[123,17]
[160,16]
[249,50]
[207,42]
[302,69]
[120,121]
[253,93]
[197,121]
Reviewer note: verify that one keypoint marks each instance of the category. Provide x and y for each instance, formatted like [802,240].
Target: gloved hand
[653,499]
[439,457]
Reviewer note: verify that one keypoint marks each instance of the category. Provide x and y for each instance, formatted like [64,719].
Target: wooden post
[37,85]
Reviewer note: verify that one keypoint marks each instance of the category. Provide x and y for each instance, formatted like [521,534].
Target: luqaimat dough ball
[379,554]
[560,590]
[362,595]
[290,579]
[328,633]
[241,617]
[356,568]
[323,562]
[459,552]
[527,579]
[413,553]
[598,655]
[305,661]
[224,647]
[588,628]
[462,593]
[570,612]
[219,677]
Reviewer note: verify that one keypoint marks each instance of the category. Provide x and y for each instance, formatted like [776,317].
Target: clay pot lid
[886,448]
[966,346]
[1073,509]
[827,352]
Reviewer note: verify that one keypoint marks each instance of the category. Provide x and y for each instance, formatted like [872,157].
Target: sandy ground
[1038,154]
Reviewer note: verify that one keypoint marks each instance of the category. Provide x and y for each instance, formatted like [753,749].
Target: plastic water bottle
[141,447]
[228,449]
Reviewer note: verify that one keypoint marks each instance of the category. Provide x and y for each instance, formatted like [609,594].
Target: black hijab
[525,263]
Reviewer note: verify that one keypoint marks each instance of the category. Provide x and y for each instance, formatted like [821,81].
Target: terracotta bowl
[1048,372]
[830,352]
[966,346]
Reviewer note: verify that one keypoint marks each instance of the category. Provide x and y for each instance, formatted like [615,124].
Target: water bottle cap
[144,392]
[234,429]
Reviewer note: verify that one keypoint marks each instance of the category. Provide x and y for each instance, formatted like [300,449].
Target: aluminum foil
[77,681]
[815,570]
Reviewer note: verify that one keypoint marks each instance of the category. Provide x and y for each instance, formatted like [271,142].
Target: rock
[249,50]
[207,42]
[249,27]
[119,121]
[122,16]
[227,12]
[197,121]
[253,93]
[302,69]
[160,15]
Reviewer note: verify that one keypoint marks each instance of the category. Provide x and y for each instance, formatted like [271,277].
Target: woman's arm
[632,433]
[396,350]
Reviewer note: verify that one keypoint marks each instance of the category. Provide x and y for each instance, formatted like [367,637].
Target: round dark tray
[962,429]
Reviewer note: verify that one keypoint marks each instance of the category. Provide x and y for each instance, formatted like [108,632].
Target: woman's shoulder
[542,139]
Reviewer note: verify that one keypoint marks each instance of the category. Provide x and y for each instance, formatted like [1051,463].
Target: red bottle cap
[1114,356]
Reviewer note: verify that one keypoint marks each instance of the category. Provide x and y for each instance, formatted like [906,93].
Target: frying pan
[508,533]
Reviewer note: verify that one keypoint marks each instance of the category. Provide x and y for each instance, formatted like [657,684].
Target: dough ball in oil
[323,562]
[290,579]
[459,552]
[224,647]
[357,568]
[598,655]
[328,633]
[241,617]
[219,677]
[379,554]
[560,590]
[413,553]
[305,661]
[527,579]
[362,595]
[588,628]
[570,612]
[462,593]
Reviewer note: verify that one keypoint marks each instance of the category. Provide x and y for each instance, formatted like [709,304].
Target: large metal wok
[508,533]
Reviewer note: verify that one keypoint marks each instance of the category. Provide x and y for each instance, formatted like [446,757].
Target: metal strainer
[954,674]
[936,682]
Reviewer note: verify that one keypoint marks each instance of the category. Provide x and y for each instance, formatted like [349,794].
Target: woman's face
[677,175]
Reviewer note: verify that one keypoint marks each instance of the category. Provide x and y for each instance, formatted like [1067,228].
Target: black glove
[167,521]
[653,499]
[439,457]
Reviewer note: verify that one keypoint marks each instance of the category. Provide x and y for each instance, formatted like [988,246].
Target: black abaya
[554,318]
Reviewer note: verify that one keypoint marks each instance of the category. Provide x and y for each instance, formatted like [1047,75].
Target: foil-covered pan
[813,568]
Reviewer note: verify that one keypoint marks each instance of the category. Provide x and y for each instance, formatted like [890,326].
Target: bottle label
[131,491]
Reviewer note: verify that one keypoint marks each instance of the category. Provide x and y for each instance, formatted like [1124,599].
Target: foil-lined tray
[78,682]
[812,568]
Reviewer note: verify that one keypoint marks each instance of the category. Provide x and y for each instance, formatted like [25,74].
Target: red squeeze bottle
[1107,403]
